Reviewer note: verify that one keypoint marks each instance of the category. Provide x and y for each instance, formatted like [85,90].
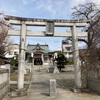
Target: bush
[69,62]
[14,64]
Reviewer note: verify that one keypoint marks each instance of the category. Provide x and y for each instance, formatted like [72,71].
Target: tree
[3,35]
[89,11]
[4,40]
[91,56]
[14,63]
[61,61]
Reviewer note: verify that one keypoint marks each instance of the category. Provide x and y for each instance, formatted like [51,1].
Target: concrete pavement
[39,88]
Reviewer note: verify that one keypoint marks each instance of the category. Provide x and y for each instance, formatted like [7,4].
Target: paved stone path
[39,89]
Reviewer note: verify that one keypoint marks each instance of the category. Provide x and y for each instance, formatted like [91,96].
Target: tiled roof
[32,48]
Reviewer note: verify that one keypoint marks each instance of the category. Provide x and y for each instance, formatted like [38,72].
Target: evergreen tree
[61,61]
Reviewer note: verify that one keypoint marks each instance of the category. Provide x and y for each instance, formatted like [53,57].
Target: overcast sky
[51,9]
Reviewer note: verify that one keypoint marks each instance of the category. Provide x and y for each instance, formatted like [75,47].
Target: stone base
[4,91]
[76,90]
[16,92]
[56,70]
[51,69]
[85,90]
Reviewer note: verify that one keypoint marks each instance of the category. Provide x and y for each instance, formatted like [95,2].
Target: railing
[4,80]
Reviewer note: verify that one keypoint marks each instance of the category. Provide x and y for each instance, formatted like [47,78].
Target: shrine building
[38,54]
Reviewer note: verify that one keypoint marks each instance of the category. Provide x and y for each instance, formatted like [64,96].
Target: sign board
[49,28]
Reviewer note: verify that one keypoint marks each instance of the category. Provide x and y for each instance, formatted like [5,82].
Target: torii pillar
[21,66]
[78,81]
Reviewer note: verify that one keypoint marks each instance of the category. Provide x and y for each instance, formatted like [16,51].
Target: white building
[67,48]
[14,50]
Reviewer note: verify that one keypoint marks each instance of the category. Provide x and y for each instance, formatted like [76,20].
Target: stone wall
[69,67]
[4,80]
[94,80]
[94,86]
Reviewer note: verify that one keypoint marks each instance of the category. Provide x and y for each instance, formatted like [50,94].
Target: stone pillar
[78,81]
[8,67]
[33,58]
[53,91]
[21,64]
[42,58]
[1,78]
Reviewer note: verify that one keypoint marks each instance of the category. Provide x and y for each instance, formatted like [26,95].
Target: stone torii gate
[50,24]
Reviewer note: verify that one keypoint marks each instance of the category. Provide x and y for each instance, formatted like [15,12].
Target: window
[45,59]
[15,53]
[30,60]
[68,48]
[10,53]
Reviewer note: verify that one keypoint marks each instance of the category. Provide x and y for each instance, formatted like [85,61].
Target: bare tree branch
[4,40]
